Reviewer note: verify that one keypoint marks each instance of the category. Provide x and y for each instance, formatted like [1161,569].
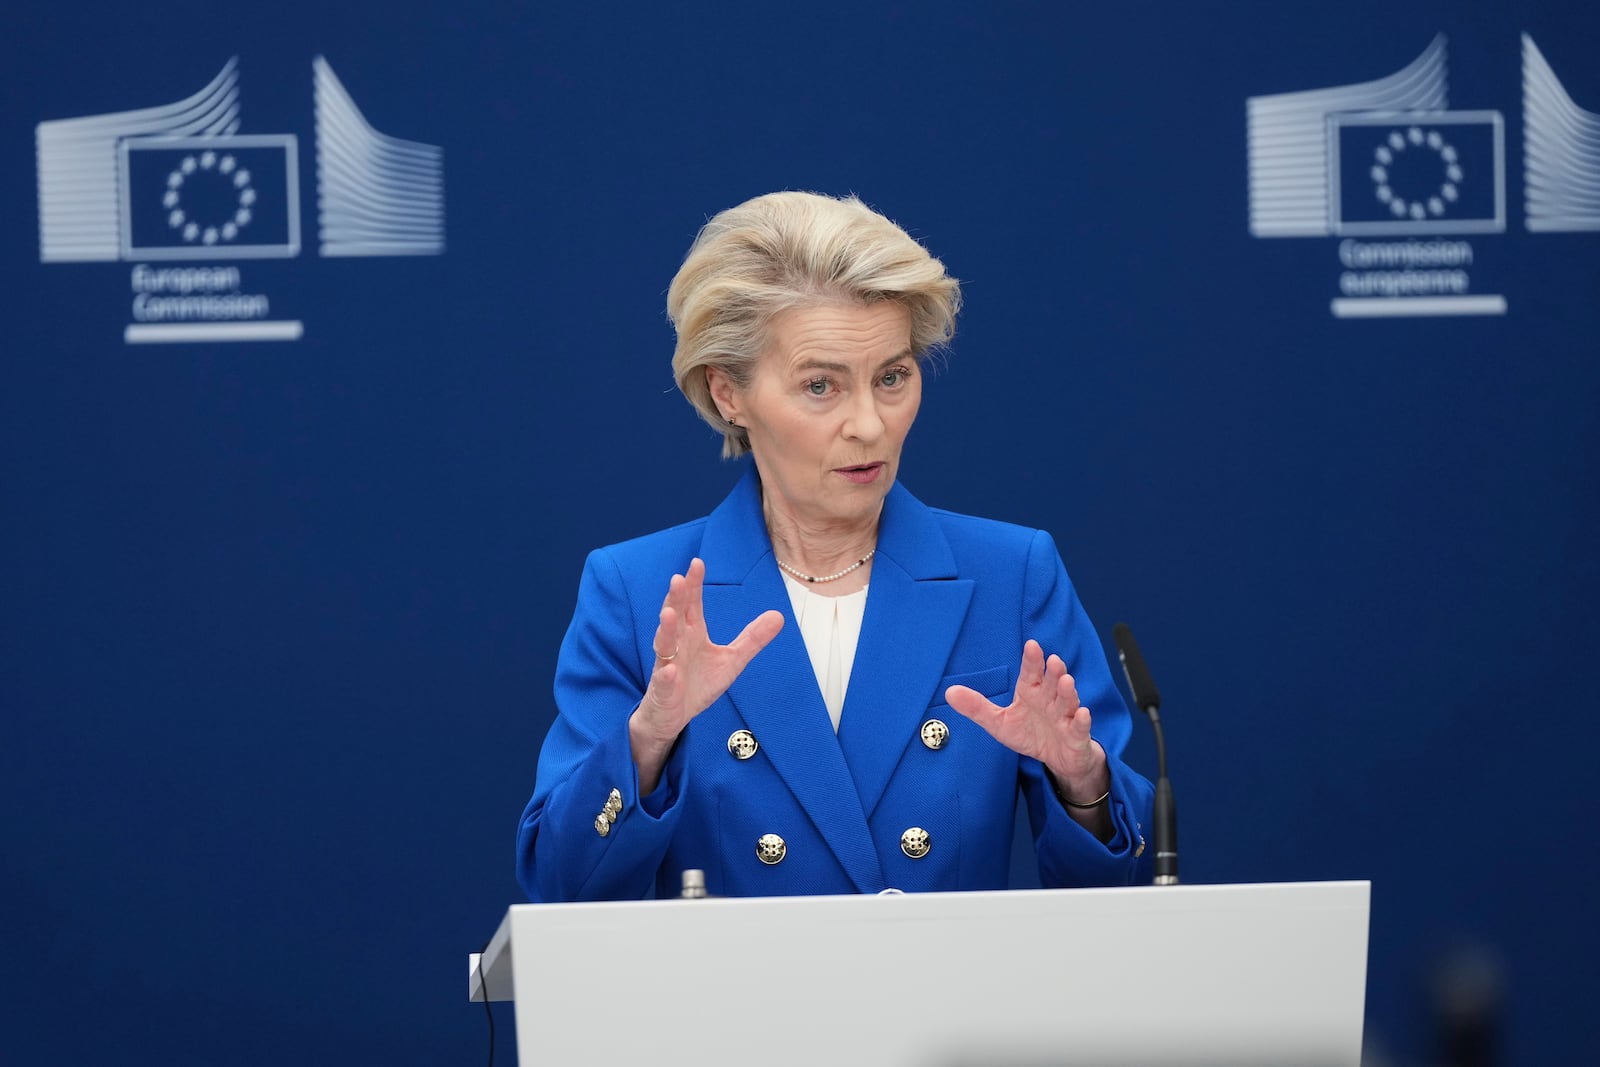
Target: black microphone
[1148,699]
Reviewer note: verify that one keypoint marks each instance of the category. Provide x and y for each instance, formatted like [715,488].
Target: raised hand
[1044,721]
[690,672]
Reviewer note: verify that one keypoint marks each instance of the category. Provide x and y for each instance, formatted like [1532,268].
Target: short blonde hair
[787,250]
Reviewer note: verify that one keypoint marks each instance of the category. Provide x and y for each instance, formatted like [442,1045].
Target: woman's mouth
[863,474]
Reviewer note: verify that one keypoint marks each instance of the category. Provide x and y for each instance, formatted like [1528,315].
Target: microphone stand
[1148,700]
[1166,813]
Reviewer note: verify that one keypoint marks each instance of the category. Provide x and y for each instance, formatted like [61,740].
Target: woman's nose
[864,422]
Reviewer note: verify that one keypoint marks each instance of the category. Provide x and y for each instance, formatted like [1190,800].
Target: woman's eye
[817,387]
[894,378]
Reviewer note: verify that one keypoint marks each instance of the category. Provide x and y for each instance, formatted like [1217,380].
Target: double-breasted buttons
[743,744]
[770,849]
[915,842]
[934,734]
[608,813]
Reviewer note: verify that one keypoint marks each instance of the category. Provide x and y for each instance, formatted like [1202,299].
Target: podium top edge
[1350,890]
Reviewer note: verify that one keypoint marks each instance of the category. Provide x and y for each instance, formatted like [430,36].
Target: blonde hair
[787,250]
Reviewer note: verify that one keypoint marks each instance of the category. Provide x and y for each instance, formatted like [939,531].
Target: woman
[830,698]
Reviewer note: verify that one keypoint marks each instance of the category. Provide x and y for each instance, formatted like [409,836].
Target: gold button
[915,842]
[743,744]
[934,734]
[614,804]
[602,825]
[1140,850]
[771,849]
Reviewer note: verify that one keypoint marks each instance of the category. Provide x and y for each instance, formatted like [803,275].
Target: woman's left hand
[1044,721]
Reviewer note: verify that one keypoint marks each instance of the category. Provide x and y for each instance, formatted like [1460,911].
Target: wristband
[1095,803]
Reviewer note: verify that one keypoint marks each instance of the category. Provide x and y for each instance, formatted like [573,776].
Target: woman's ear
[723,394]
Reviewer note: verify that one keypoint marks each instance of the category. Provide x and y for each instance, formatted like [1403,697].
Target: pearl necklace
[831,577]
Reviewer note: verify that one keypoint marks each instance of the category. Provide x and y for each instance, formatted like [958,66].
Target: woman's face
[828,407]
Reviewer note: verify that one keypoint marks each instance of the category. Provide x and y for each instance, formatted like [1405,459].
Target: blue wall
[280,616]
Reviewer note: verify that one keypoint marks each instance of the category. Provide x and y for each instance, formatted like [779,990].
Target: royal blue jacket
[952,599]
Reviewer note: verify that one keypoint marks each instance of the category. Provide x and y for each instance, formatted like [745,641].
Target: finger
[1032,670]
[973,704]
[672,583]
[1067,690]
[694,581]
[1054,670]
[1042,698]
[665,642]
[1061,688]
[756,635]
[1079,723]
[674,597]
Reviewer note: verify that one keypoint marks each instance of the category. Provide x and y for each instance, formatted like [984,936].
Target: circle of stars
[208,162]
[1397,144]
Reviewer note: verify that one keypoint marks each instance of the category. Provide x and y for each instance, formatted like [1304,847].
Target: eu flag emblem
[1416,172]
[210,197]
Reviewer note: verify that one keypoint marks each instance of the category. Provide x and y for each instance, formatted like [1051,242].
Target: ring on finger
[666,659]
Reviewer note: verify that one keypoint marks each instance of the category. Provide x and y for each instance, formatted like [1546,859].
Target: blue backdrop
[280,615]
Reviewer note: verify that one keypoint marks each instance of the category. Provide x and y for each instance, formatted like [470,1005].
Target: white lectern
[1198,976]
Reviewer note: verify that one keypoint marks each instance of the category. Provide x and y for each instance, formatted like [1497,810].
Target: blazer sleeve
[562,852]
[1069,855]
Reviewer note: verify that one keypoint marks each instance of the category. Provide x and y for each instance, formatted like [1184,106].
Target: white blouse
[831,626]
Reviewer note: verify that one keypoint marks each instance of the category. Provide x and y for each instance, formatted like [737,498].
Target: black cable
[483,988]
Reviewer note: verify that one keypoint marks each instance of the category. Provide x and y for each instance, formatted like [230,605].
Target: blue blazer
[952,599]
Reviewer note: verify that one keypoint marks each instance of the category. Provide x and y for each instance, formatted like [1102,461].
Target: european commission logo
[181,183]
[1401,178]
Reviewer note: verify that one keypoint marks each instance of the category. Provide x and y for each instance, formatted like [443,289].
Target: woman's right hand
[690,671]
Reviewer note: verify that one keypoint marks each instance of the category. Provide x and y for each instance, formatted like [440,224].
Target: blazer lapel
[915,610]
[777,695]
